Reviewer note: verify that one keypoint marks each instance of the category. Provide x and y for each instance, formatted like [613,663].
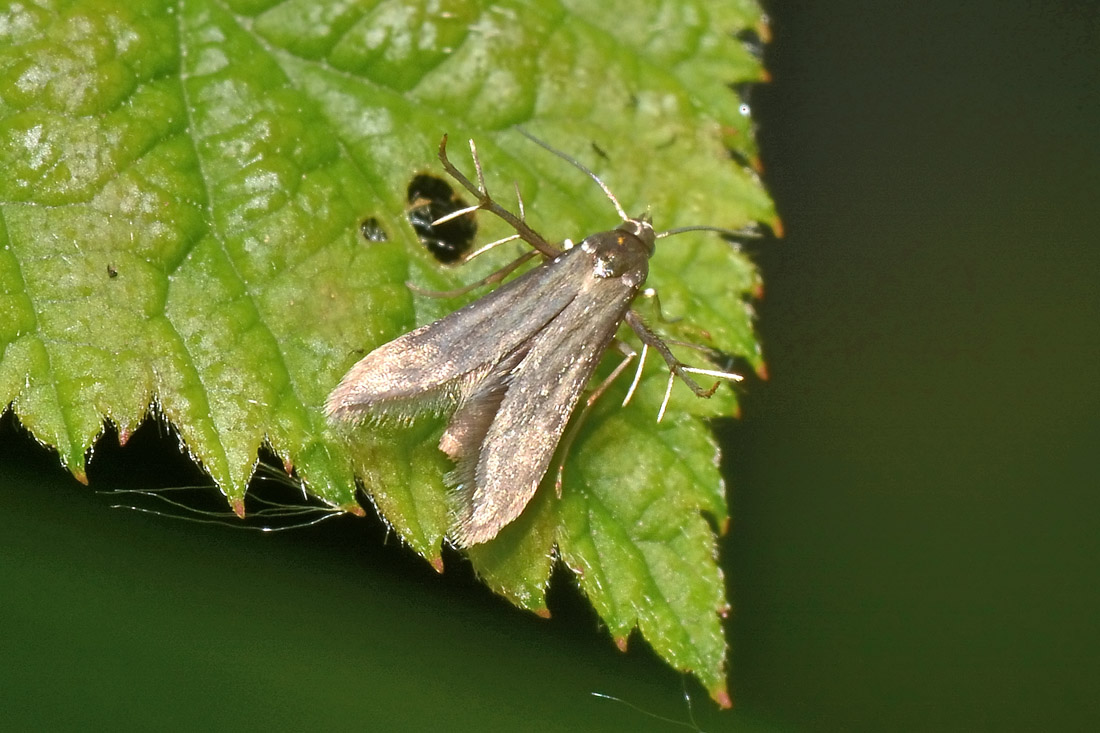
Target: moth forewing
[439,363]
[513,455]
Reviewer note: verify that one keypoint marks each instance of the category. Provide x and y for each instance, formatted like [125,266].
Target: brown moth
[512,365]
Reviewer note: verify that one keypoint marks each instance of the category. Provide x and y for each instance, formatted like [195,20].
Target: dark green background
[915,491]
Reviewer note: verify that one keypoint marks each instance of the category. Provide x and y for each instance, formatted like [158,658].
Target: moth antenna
[579,166]
[745,233]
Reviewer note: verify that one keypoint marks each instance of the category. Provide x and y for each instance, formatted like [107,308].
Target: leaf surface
[180,218]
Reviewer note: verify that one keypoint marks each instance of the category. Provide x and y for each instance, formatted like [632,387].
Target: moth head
[642,229]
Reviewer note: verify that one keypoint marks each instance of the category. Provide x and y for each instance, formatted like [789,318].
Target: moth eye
[429,199]
[372,230]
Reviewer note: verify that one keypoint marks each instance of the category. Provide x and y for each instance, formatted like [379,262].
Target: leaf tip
[542,612]
[354,509]
[80,475]
[721,696]
[762,370]
[436,563]
[124,435]
[777,228]
[237,505]
[764,29]
[621,642]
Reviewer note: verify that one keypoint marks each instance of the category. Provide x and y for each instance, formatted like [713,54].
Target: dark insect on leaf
[430,199]
[372,230]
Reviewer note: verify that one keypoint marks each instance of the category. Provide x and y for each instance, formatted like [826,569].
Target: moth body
[510,367]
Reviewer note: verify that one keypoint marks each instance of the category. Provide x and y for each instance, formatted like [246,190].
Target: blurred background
[914,491]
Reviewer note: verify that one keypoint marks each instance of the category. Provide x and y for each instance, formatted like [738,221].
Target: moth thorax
[619,253]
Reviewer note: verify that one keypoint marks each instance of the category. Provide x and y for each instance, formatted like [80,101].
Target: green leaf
[180,216]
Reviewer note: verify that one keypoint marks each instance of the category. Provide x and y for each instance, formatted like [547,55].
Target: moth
[512,366]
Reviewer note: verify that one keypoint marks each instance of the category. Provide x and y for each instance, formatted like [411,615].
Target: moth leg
[519,201]
[710,353]
[454,214]
[668,393]
[477,168]
[714,356]
[676,367]
[651,293]
[494,277]
[694,370]
[578,420]
[485,201]
[491,245]
[637,375]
